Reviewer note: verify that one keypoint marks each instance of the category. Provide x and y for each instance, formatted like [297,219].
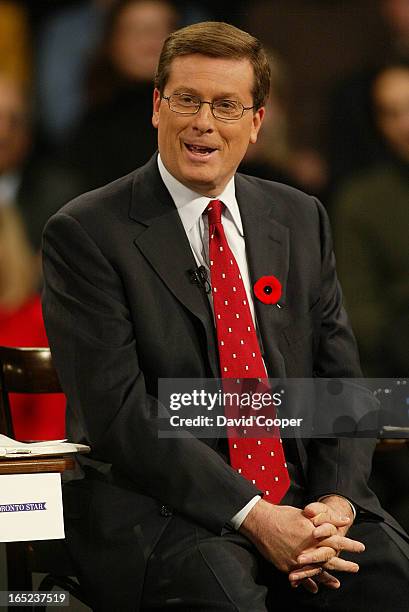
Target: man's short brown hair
[217,39]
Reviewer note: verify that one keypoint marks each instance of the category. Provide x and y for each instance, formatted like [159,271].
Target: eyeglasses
[187,104]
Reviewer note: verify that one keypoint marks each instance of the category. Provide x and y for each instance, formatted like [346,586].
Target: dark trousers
[192,569]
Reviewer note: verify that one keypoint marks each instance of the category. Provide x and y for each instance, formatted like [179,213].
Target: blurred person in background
[354,142]
[371,231]
[36,186]
[15,42]
[274,157]
[35,417]
[116,134]
[66,42]
[31,189]
[21,323]
[268,157]
[396,15]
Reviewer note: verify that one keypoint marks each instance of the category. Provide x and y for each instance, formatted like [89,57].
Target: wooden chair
[31,370]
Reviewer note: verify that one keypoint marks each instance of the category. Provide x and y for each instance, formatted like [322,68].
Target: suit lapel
[267,249]
[162,240]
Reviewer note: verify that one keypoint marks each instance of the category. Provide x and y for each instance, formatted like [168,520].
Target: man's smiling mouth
[199,150]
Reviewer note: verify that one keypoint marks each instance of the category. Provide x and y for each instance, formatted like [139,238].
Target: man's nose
[203,120]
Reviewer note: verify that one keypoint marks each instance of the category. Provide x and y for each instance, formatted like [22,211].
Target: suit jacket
[120,312]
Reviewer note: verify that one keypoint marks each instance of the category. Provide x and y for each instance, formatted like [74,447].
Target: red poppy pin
[268,289]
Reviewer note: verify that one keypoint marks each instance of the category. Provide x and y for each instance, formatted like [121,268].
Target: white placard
[31,507]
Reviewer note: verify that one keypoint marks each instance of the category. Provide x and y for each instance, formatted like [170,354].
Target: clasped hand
[330,528]
[304,543]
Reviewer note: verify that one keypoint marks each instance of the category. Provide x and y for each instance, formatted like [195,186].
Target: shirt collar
[191,205]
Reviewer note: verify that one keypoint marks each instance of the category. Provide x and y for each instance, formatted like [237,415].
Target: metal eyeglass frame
[211,104]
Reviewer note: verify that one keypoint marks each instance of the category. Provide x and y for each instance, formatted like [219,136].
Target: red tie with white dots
[262,460]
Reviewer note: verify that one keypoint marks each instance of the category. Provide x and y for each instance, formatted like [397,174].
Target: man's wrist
[239,517]
[253,525]
[339,499]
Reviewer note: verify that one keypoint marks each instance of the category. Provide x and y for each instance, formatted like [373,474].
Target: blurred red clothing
[35,417]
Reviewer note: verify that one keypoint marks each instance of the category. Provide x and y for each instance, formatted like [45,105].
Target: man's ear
[156,106]
[257,121]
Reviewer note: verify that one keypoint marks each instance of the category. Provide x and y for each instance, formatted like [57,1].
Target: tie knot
[214,211]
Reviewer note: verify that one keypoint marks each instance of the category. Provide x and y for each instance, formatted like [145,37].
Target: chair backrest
[31,370]
[24,370]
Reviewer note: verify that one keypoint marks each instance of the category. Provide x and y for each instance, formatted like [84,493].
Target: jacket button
[165,511]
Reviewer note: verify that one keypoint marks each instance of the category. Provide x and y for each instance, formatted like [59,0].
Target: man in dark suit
[163,522]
